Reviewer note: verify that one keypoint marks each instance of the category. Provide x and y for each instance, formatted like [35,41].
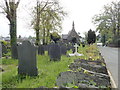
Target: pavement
[111,59]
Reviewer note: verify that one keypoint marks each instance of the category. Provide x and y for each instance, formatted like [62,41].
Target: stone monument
[41,50]
[27,59]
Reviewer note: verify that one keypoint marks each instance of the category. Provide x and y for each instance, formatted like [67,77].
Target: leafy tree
[91,38]
[50,19]
[55,36]
[10,10]
[108,22]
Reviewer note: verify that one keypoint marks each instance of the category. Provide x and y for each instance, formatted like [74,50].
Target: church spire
[73,26]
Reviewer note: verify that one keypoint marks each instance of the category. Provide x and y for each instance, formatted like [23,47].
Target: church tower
[73,34]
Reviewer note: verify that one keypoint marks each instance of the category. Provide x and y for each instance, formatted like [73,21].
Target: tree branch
[44,6]
[7,6]
[17,3]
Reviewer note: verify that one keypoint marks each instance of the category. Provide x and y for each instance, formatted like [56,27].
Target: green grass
[10,61]
[48,71]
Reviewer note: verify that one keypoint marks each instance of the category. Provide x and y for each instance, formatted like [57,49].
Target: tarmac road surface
[111,59]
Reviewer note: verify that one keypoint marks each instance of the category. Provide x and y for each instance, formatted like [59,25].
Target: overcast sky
[79,11]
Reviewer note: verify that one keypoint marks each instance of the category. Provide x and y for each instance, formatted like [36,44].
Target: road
[111,59]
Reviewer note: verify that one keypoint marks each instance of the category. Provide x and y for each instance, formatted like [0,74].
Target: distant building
[7,39]
[71,35]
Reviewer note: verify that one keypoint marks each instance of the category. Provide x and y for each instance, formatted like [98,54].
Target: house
[71,35]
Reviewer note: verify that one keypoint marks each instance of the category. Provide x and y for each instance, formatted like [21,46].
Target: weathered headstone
[63,49]
[0,50]
[49,47]
[55,52]
[27,59]
[14,51]
[41,50]
[45,47]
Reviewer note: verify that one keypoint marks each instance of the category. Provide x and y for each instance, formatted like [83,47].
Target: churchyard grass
[48,71]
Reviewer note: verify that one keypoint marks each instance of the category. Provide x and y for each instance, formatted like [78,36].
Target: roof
[72,33]
[64,36]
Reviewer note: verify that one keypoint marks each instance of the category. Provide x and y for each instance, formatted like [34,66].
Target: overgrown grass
[90,51]
[48,71]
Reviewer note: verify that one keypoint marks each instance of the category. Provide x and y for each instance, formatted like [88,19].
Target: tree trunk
[47,37]
[118,30]
[37,24]
[13,36]
[37,37]
[44,36]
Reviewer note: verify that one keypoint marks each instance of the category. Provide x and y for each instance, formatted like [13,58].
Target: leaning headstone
[55,52]
[63,49]
[14,51]
[27,59]
[0,50]
[41,50]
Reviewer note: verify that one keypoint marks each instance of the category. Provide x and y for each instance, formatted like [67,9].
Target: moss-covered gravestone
[55,52]
[27,59]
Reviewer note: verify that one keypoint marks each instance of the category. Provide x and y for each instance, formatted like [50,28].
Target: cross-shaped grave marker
[76,53]
[75,47]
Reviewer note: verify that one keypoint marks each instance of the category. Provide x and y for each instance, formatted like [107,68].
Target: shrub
[91,37]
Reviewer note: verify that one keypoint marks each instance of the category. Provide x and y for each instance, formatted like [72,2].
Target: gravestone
[14,51]
[27,59]
[41,50]
[49,47]
[45,47]
[55,52]
[76,51]
[4,49]
[63,49]
[0,50]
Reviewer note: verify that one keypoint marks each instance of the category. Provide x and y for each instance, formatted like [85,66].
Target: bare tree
[10,9]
